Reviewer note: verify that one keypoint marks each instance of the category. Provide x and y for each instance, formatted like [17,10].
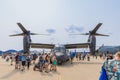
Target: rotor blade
[85,34]
[21,34]
[80,34]
[96,28]
[22,27]
[39,34]
[97,34]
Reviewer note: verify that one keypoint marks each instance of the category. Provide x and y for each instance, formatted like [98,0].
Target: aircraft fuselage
[60,53]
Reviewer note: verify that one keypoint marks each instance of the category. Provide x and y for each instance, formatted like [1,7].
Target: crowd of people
[48,62]
[42,62]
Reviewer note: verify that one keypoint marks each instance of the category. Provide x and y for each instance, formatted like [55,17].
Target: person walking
[23,62]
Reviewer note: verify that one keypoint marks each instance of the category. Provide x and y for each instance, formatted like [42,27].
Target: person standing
[41,62]
[47,61]
[16,61]
[79,56]
[34,58]
[28,60]
[12,59]
[88,57]
[72,55]
[20,61]
[23,62]
[54,63]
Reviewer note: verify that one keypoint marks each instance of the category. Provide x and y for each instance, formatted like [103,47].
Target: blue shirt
[23,58]
[19,57]
[72,55]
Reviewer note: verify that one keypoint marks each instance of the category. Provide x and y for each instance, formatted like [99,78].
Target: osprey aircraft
[59,51]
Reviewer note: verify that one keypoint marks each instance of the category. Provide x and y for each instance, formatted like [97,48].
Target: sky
[59,18]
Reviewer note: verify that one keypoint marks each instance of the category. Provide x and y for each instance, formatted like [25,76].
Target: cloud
[51,31]
[110,33]
[74,29]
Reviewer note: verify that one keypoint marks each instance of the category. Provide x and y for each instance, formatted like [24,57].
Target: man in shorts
[23,59]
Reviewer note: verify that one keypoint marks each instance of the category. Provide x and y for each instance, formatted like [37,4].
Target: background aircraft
[109,49]
[92,38]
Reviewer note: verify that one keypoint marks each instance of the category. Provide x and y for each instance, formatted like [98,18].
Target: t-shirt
[19,57]
[41,59]
[16,57]
[23,58]
[28,58]
[34,56]
[72,55]
[54,62]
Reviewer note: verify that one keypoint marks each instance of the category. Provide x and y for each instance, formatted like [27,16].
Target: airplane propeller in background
[26,31]
[92,38]
[26,37]
[93,32]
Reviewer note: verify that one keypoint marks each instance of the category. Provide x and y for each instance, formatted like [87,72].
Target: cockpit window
[59,49]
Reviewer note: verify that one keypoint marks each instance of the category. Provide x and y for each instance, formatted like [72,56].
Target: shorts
[23,63]
[17,62]
[72,58]
[20,62]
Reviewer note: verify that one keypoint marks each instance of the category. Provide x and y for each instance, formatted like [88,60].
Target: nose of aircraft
[60,57]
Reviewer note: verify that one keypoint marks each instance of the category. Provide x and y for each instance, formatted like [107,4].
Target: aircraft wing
[77,45]
[39,45]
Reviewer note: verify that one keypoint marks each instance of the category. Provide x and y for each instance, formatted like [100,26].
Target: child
[54,63]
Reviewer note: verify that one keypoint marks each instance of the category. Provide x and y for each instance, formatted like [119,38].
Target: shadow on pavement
[13,72]
[88,63]
[45,74]
[67,64]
